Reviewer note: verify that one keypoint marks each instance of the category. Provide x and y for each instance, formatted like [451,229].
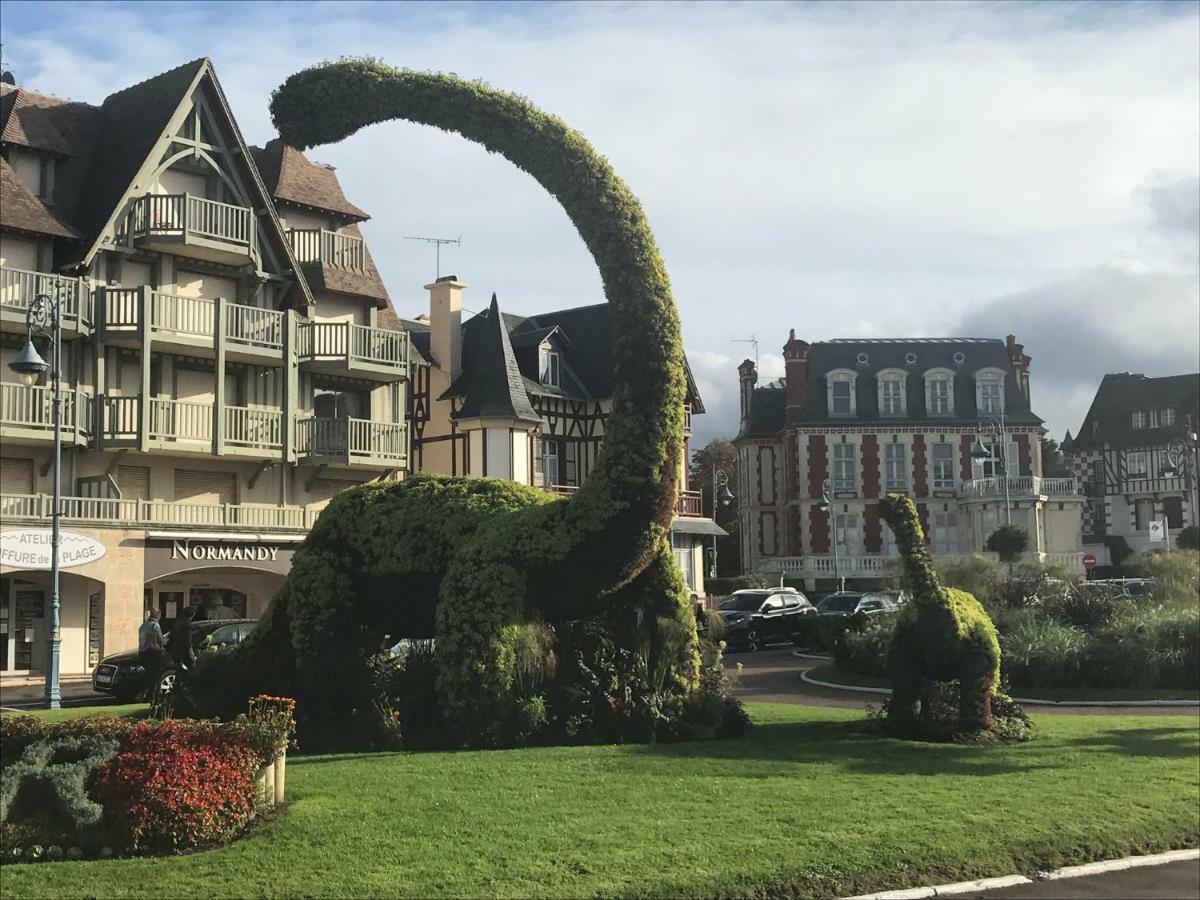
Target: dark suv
[122,674]
[755,618]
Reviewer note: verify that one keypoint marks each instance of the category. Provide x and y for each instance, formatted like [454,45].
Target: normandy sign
[240,552]
[29,548]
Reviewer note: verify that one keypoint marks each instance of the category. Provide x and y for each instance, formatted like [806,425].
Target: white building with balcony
[230,360]
[891,415]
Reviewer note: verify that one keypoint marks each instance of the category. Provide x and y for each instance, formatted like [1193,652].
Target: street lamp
[1183,459]
[42,317]
[721,496]
[826,506]
[994,429]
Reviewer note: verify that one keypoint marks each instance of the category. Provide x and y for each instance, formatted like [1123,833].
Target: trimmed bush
[20,731]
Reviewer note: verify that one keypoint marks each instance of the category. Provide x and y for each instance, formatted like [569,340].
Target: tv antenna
[437,242]
[750,340]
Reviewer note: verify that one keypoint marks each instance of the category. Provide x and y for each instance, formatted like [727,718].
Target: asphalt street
[1173,881]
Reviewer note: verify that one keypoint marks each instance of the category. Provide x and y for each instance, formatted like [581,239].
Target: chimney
[445,323]
[1020,362]
[795,362]
[747,378]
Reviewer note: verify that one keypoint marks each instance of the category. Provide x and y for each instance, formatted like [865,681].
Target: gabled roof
[1109,421]
[491,385]
[22,210]
[44,123]
[292,177]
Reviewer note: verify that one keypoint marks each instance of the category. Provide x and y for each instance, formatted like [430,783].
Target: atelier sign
[29,548]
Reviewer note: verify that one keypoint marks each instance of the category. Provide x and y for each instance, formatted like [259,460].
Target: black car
[755,618]
[122,674]
[845,604]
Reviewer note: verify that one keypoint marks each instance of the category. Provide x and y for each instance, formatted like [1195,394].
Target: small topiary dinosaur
[943,635]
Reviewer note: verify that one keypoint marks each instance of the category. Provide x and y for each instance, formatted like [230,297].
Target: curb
[987,884]
[1112,704]
[799,654]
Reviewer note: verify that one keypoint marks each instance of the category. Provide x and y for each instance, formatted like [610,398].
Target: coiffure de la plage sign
[29,548]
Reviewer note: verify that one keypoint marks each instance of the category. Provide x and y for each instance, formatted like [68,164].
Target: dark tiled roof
[1109,420]
[292,177]
[21,209]
[767,407]
[491,385]
[339,280]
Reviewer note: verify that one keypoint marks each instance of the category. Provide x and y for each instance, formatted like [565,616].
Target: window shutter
[205,487]
[133,482]
[16,475]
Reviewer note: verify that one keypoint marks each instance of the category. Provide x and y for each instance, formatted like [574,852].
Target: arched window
[989,391]
[841,394]
[939,392]
[891,384]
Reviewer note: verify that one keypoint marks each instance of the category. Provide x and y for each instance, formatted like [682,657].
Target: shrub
[178,785]
[976,575]
[1010,541]
[1039,652]
[18,732]
[51,776]
[1176,577]
[1118,550]
[865,651]
[1189,538]
[1087,607]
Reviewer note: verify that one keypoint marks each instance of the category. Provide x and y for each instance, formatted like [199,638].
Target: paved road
[773,676]
[1174,881]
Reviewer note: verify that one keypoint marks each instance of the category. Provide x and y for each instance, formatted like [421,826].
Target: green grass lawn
[810,804]
[133,710]
[835,675]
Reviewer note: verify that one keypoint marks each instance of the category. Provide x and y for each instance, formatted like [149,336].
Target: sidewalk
[26,691]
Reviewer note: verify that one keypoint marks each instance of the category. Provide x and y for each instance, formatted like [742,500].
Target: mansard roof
[1109,421]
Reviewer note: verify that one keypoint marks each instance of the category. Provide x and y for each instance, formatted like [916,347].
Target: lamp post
[993,429]
[826,506]
[1183,458]
[42,317]
[721,496]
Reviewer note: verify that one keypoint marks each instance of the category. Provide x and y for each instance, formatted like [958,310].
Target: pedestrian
[150,645]
[181,640]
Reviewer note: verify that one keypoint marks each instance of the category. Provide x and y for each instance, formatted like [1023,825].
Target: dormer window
[939,392]
[1138,418]
[989,392]
[841,393]
[891,392]
[550,367]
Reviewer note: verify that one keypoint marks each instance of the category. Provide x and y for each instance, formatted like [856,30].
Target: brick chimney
[445,324]
[747,379]
[1020,362]
[795,361]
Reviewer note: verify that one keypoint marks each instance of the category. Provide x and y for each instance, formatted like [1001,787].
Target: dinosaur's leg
[975,690]
[906,684]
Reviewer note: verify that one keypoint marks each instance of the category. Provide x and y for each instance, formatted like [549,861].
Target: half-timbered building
[1120,454]
[891,415]
[526,398]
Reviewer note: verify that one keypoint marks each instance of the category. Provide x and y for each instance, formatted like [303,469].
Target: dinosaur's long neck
[618,519]
[901,514]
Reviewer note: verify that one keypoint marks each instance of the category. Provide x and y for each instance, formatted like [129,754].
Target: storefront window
[218,603]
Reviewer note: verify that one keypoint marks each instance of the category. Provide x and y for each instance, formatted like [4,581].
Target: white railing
[352,439]
[160,513]
[183,214]
[259,429]
[32,408]
[180,420]
[121,307]
[353,343]
[19,286]
[321,245]
[880,565]
[119,417]
[250,325]
[1021,486]
[182,315]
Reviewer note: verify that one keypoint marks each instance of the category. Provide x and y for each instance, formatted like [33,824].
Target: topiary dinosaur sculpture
[493,554]
[943,635]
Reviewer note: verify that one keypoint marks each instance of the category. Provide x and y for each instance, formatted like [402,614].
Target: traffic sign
[1089,561]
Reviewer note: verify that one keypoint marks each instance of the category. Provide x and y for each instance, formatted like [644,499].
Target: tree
[1118,550]
[721,455]
[1189,538]
[1009,541]
[1054,464]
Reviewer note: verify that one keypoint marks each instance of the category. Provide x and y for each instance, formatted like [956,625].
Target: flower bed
[104,785]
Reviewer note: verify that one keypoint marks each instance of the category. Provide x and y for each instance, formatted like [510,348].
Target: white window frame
[1137,418]
[985,378]
[941,483]
[844,455]
[1137,464]
[886,379]
[1166,417]
[842,376]
[895,466]
[549,366]
[944,526]
[947,376]
[551,460]
[845,526]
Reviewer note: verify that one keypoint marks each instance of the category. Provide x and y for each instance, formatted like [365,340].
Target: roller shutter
[205,487]
[16,475]
[134,482]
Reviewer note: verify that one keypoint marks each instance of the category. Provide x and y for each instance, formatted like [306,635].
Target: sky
[847,170]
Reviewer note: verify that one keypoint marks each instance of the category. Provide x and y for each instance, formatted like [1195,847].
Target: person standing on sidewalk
[150,645]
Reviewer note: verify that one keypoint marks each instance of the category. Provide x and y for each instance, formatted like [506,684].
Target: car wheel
[166,685]
[753,642]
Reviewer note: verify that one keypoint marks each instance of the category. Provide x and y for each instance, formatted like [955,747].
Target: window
[891,393]
[549,366]
[1166,416]
[844,476]
[1143,512]
[684,558]
[1137,465]
[1138,418]
[943,466]
[939,392]
[895,461]
[846,528]
[998,463]
[945,533]
[550,457]
[991,397]
[841,393]
[1173,510]
[774,604]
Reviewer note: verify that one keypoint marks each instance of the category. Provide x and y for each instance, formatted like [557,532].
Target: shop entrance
[213,593]
[25,622]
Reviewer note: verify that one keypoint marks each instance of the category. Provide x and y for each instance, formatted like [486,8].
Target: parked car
[123,676]
[845,604]
[896,595]
[755,618]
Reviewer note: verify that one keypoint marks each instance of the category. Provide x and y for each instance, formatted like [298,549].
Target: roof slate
[491,386]
[1109,419]
[292,177]
[21,209]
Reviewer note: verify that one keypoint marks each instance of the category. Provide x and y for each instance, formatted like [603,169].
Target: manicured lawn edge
[834,676]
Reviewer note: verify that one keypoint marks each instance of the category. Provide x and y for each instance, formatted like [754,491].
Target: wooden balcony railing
[254,327]
[319,245]
[19,286]
[256,429]
[180,420]
[119,417]
[353,343]
[182,315]
[182,215]
[353,440]
[158,513]
[32,409]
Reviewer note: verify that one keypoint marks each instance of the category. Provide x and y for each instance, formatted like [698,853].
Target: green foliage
[1176,576]
[1188,538]
[19,731]
[865,650]
[1118,550]
[1010,541]
[1054,464]
[976,575]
